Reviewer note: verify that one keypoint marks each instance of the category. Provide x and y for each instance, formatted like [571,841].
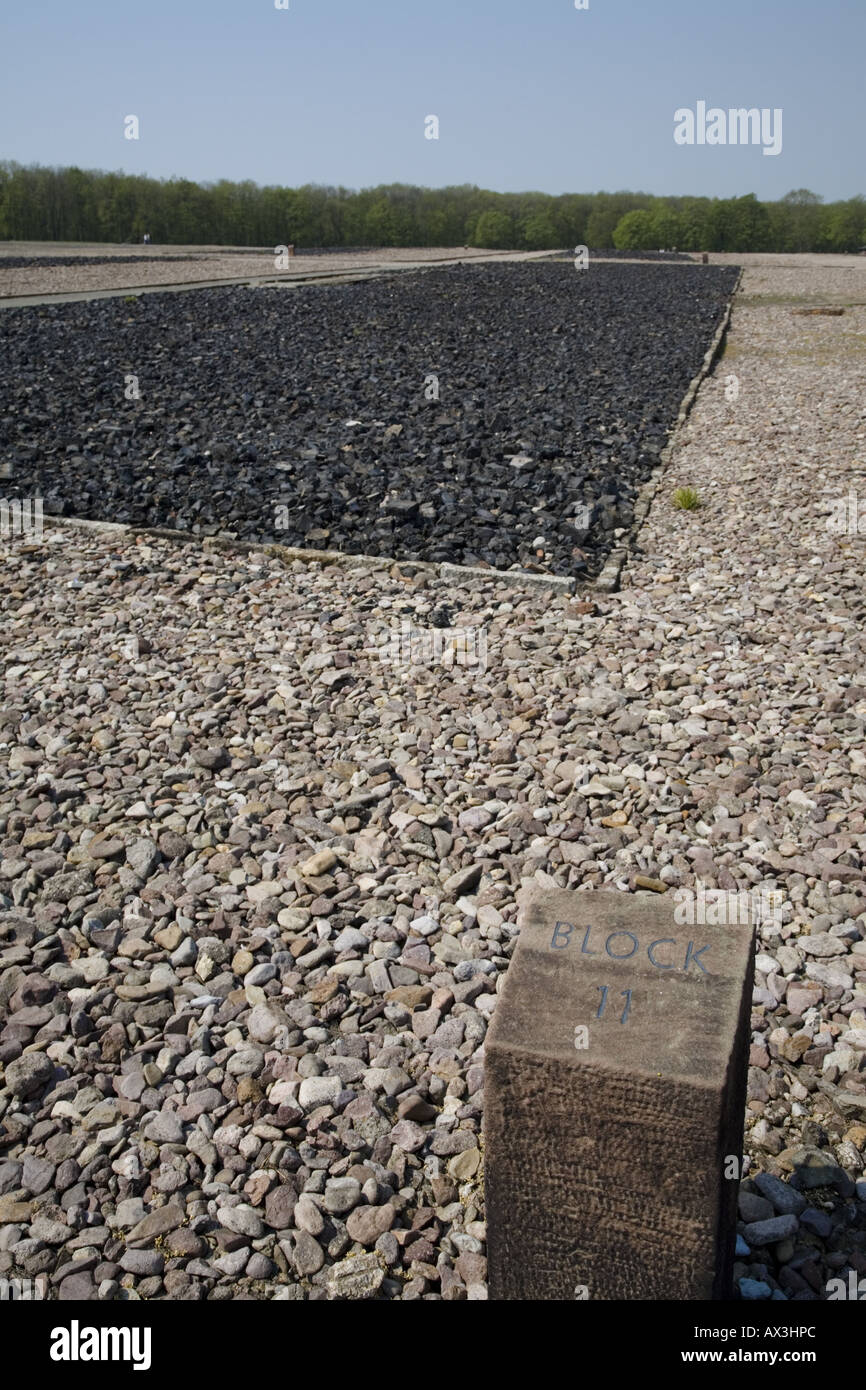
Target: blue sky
[530,94]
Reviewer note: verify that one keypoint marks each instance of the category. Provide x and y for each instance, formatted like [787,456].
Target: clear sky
[530,94]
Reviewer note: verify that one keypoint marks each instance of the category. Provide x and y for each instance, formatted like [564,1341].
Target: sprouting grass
[686,499]
[130,299]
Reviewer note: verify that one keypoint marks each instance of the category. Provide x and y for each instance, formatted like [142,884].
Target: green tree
[493,230]
[39,203]
[634,232]
[804,219]
[539,233]
[607,210]
[667,228]
[693,223]
[843,225]
[749,224]
[380,228]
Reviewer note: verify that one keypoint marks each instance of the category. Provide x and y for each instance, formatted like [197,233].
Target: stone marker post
[615,1086]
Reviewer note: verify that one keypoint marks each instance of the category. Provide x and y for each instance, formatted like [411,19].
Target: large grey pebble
[778,1228]
[29,1073]
[341,1195]
[142,856]
[785,1199]
[142,1262]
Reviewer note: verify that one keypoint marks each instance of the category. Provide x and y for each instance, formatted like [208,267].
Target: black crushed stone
[246,394]
[29,262]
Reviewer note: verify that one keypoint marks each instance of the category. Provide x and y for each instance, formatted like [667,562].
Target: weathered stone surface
[366,1224]
[28,1074]
[605,1163]
[357,1278]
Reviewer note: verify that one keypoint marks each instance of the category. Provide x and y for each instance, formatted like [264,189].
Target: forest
[39,203]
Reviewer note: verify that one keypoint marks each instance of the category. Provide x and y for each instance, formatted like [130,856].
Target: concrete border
[444,570]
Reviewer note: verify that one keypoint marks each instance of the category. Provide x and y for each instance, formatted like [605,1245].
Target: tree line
[39,203]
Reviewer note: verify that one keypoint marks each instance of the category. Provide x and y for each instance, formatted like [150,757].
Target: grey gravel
[196,1075]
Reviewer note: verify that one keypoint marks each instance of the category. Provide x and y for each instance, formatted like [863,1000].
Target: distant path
[205,268]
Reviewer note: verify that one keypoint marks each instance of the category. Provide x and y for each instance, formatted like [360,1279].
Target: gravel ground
[497,415]
[202,263]
[259,885]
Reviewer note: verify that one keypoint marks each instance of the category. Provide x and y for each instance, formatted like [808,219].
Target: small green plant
[686,499]
[130,299]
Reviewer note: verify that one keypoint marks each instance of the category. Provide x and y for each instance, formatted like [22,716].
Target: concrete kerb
[608,580]
[449,573]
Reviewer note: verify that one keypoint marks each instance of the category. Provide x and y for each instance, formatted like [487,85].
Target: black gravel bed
[310,418]
[678,257]
[343,250]
[30,262]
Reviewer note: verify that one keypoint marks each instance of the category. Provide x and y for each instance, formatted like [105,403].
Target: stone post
[615,1088]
